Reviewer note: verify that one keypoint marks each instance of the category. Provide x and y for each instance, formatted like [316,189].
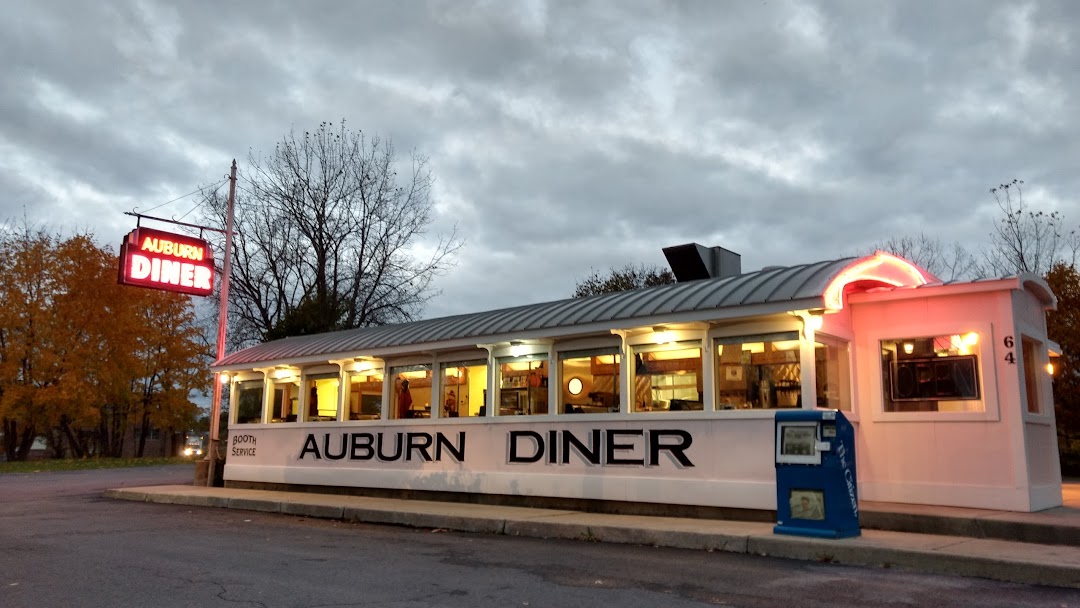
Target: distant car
[193,447]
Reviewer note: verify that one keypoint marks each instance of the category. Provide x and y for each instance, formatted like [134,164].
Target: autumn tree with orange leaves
[85,362]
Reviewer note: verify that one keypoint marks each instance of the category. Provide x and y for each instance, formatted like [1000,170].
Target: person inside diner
[404,400]
[450,407]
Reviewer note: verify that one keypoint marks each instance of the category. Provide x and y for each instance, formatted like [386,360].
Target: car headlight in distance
[187,451]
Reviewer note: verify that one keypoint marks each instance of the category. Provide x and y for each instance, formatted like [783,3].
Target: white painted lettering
[170,272]
[187,275]
[203,278]
[140,267]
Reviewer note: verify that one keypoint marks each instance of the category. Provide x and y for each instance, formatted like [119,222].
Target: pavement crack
[225,590]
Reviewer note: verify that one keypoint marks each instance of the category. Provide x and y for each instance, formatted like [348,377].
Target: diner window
[523,385]
[285,406]
[833,373]
[322,398]
[1031,373]
[590,381]
[463,386]
[759,372]
[365,395]
[667,377]
[249,401]
[411,397]
[931,374]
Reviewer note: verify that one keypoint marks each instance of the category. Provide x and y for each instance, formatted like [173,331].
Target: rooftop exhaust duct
[692,262]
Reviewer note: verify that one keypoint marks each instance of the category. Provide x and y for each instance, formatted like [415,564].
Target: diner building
[667,395]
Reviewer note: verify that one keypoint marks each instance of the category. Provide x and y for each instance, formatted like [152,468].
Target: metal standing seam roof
[769,286]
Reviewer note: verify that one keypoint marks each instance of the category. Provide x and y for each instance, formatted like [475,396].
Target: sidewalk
[964,542]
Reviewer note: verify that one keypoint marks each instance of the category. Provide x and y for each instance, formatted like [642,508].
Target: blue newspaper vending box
[816,492]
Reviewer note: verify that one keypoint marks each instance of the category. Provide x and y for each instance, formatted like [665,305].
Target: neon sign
[883,269]
[167,261]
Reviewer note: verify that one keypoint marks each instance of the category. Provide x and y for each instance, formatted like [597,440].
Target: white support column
[343,389]
[708,373]
[492,380]
[554,380]
[436,389]
[267,396]
[387,388]
[807,362]
[232,403]
[626,381]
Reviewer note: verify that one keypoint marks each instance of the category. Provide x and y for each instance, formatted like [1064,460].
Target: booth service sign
[163,260]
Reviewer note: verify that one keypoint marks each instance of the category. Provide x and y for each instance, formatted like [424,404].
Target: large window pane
[411,397]
[249,402]
[286,400]
[322,398]
[365,395]
[523,385]
[1031,373]
[833,373]
[931,374]
[667,377]
[464,387]
[590,381]
[759,372]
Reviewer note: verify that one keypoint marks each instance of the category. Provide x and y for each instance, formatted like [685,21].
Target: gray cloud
[564,136]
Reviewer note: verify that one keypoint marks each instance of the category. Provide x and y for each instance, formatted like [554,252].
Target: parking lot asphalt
[1034,548]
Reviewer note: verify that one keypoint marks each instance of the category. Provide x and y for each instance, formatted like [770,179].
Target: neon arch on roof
[878,270]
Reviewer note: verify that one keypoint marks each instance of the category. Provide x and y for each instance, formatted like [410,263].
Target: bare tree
[1024,240]
[623,279]
[328,237]
[949,262]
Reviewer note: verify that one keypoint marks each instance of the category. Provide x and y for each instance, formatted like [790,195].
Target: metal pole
[223,319]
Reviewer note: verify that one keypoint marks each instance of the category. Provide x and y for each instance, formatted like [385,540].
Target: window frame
[679,342]
[560,381]
[1044,381]
[543,356]
[778,335]
[294,380]
[480,359]
[848,361]
[392,368]
[305,396]
[985,351]
[235,392]
[351,372]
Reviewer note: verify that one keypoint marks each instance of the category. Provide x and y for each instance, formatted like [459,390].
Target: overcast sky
[563,136]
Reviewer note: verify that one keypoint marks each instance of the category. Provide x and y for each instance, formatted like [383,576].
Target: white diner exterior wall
[732,458]
[963,459]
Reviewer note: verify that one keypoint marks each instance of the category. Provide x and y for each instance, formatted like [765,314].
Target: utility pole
[223,320]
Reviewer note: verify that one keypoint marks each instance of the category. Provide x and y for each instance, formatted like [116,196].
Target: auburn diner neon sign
[881,269]
[163,260]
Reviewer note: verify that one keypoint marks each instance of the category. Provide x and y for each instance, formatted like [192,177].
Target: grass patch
[46,466]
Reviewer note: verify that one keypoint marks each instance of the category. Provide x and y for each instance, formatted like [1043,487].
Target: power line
[203,189]
[202,202]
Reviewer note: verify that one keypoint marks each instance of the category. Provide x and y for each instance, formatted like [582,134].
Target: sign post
[213,454]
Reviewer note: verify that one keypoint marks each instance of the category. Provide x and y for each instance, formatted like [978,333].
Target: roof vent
[692,262]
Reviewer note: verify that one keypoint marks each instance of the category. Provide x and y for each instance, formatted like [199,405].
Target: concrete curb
[1002,526]
[962,555]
